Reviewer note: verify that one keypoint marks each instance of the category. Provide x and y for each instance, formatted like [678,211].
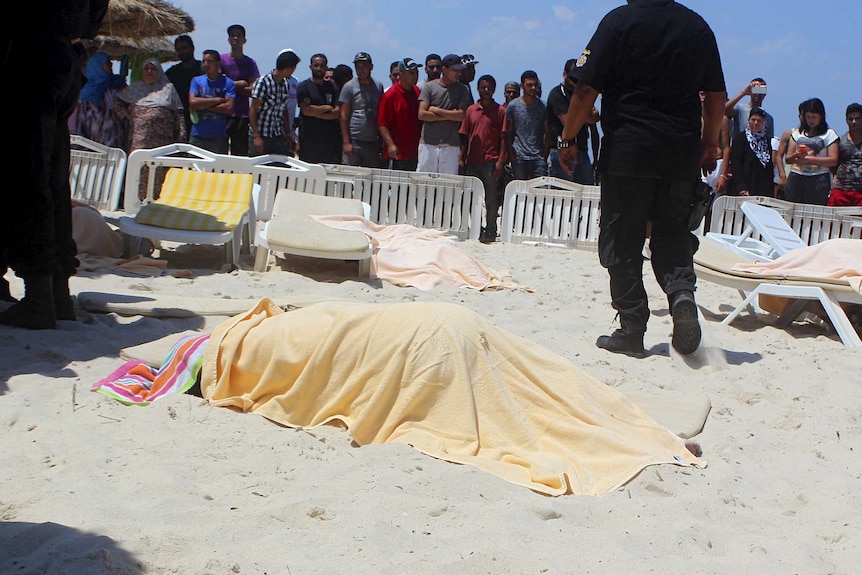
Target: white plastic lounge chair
[292,230]
[96,174]
[198,208]
[772,228]
[778,237]
[814,224]
[714,261]
[552,212]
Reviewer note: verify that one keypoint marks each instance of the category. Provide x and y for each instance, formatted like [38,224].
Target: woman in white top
[812,153]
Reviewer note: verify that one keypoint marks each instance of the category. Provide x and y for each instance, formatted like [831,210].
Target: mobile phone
[758,89]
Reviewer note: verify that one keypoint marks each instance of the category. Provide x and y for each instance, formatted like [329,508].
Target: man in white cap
[469,73]
[398,118]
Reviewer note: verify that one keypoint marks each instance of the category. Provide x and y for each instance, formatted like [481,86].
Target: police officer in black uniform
[36,229]
[649,60]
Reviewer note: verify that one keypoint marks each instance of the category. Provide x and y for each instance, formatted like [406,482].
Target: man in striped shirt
[268,120]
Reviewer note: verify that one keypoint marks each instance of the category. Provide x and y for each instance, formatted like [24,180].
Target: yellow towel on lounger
[199,201]
[441,378]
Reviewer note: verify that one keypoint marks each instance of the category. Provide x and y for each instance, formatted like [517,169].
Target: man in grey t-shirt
[528,146]
[360,98]
[442,104]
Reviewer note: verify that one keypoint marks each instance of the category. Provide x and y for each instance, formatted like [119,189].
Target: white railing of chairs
[551,211]
[813,224]
[427,200]
[96,174]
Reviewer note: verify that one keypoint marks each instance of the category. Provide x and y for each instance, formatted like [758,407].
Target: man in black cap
[442,104]
[649,59]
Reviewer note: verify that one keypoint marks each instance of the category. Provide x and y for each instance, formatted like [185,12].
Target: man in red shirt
[398,119]
[483,149]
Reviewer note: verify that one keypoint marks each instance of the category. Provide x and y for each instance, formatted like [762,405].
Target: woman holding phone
[812,153]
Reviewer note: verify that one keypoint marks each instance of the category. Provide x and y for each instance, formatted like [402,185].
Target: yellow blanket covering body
[442,379]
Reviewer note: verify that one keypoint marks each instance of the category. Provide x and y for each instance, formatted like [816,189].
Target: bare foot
[694,447]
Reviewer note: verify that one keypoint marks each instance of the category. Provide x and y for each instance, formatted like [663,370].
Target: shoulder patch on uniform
[583,58]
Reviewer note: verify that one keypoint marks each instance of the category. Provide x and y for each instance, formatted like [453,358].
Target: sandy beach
[89,485]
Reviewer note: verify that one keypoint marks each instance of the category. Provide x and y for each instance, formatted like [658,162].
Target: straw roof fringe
[138,19]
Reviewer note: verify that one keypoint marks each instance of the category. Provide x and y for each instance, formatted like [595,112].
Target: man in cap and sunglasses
[398,118]
[469,73]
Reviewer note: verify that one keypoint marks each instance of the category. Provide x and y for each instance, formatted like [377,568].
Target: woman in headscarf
[94,116]
[751,158]
[154,111]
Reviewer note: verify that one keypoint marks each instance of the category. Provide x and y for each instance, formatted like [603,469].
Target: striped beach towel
[136,383]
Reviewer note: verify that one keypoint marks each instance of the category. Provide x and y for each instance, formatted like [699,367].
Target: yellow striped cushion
[199,201]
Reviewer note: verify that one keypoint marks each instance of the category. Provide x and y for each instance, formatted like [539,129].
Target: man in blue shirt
[211,98]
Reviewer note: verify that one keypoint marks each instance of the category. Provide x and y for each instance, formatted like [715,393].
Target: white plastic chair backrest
[96,173]
[291,202]
[551,211]
[772,228]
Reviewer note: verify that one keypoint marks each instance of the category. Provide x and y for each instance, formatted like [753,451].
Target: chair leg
[245,246]
[365,268]
[831,305]
[261,259]
[840,321]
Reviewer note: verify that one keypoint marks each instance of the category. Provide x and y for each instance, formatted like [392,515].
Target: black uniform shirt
[558,103]
[649,59]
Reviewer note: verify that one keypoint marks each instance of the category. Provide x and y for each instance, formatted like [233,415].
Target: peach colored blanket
[419,257]
[839,259]
[441,378]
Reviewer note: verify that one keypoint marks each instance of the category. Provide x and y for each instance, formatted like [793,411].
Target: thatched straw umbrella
[138,19]
[116,47]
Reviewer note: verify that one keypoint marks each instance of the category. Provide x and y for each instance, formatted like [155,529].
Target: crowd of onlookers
[440,122]
[809,163]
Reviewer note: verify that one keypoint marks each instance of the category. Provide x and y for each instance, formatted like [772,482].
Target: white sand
[88,485]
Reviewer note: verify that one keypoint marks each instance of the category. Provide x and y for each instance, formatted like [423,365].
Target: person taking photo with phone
[737,111]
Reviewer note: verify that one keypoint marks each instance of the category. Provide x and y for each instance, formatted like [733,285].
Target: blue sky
[802,49]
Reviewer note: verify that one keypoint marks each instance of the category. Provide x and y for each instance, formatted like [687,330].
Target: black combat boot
[36,308]
[64,308]
[631,343]
[686,328]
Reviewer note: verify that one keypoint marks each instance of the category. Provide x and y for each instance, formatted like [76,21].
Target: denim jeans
[529,169]
[366,154]
[277,145]
[582,174]
[214,145]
